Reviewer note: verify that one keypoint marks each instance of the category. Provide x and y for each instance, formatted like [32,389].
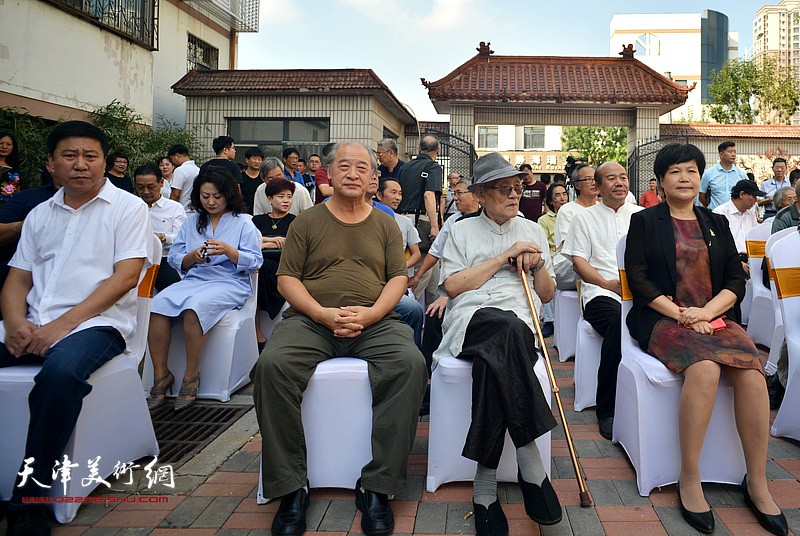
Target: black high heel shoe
[775,523]
[702,521]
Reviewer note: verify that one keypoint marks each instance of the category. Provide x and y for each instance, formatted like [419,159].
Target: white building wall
[552,138]
[676,52]
[170,61]
[350,116]
[48,55]
[506,137]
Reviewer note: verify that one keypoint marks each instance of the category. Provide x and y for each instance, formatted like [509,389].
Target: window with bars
[201,56]
[136,20]
[534,137]
[487,137]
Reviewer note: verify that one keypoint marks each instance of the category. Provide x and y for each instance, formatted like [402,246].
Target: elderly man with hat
[489,322]
[741,215]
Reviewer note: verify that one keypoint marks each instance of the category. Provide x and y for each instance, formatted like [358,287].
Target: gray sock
[484,487]
[530,464]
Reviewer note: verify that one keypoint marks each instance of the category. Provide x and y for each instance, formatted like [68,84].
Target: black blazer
[650,264]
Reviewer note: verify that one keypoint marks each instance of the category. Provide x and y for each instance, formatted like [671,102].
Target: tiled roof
[550,79]
[295,82]
[716,130]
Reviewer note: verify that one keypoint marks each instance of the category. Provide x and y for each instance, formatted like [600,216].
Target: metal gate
[457,155]
[641,160]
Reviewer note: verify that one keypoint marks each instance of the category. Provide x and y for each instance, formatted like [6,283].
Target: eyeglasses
[505,191]
[585,180]
[461,193]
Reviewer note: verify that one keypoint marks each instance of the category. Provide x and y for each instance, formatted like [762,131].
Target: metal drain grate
[181,434]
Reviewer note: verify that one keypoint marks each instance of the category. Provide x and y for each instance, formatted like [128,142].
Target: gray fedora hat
[491,167]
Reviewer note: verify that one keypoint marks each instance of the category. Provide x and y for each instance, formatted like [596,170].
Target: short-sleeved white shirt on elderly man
[593,236]
[301,200]
[70,253]
[183,179]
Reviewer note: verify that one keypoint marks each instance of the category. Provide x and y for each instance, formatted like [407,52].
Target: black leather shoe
[490,521]
[290,519]
[377,518]
[606,426]
[775,391]
[30,522]
[541,502]
[702,521]
[775,523]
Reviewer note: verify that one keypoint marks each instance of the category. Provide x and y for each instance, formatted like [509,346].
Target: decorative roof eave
[555,80]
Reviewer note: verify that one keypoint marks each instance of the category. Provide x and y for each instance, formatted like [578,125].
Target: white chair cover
[450,417]
[337,420]
[229,355]
[587,361]
[268,324]
[778,335]
[565,310]
[747,302]
[114,422]
[761,323]
[646,416]
[786,254]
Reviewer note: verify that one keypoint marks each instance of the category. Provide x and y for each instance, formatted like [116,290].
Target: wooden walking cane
[586,499]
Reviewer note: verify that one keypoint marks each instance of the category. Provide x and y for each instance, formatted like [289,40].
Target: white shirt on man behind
[167,216]
[183,179]
[740,223]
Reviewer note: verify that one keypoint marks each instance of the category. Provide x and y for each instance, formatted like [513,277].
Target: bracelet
[541,265]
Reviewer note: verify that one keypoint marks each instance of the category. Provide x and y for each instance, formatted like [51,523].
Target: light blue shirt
[717,184]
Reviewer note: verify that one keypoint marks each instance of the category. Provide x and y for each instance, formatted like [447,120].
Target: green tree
[746,91]
[599,144]
[122,125]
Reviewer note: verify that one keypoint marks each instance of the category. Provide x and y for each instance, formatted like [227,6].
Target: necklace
[275,222]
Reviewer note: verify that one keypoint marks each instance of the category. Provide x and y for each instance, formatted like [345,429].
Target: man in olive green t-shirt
[342,270]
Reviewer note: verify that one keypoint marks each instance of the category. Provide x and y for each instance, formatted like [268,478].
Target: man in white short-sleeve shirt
[166,218]
[741,216]
[591,244]
[583,179]
[186,171]
[69,302]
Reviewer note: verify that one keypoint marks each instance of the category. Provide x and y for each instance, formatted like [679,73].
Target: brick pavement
[224,503]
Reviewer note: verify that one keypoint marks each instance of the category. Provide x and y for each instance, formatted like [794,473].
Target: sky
[405,40]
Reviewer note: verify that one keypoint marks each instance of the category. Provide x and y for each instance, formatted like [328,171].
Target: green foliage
[125,131]
[31,133]
[122,125]
[690,118]
[746,91]
[599,144]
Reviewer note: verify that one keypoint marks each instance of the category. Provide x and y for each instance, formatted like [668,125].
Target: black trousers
[506,394]
[167,275]
[605,316]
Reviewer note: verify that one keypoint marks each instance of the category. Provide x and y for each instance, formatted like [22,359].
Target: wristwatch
[541,265]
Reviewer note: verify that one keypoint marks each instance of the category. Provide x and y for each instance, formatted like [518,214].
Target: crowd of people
[343,237]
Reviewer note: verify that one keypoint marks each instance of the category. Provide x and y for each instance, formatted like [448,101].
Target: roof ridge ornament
[484,50]
[627,52]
